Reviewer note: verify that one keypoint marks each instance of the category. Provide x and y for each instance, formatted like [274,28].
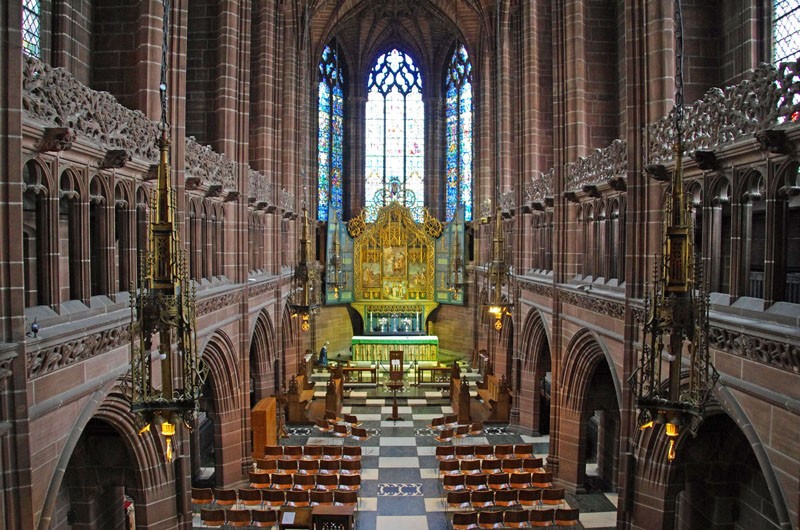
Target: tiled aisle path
[400,487]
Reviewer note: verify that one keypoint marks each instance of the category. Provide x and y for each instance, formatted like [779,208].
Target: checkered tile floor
[400,485]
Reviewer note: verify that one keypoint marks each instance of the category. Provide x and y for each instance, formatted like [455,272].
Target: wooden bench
[495,394]
[300,395]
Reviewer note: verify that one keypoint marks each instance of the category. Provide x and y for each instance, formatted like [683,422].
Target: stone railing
[767,97]
[52,97]
[601,166]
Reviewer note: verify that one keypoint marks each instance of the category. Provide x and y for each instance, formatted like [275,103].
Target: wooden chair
[265,518]
[351,452]
[529,497]
[308,467]
[260,480]
[476,428]
[515,518]
[350,467]
[463,452]
[470,467]
[352,420]
[481,499]
[523,450]
[273,498]
[465,521]
[565,517]
[541,518]
[212,518]
[323,426]
[318,498]
[303,482]
[360,434]
[297,498]
[273,452]
[225,497]
[542,480]
[350,482]
[506,498]
[250,497]
[453,482]
[476,482]
[462,431]
[503,451]
[491,465]
[490,519]
[436,423]
[533,465]
[499,481]
[553,496]
[267,465]
[451,420]
[445,436]
[238,518]
[484,451]
[458,500]
[331,452]
[346,498]
[331,417]
[313,452]
[293,452]
[282,481]
[340,430]
[511,465]
[520,480]
[202,497]
[329,467]
[449,467]
[287,467]
[446,452]
[327,482]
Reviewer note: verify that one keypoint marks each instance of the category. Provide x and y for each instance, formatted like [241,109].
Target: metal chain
[164,60]
[678,72]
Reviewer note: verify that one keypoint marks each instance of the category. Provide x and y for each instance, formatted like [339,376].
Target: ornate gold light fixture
[304,300]
[497,275]
[163,308]
[676,312]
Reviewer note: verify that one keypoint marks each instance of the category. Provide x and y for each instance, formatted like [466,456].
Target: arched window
[785,30]
[458,131]
[32,28]
[395,126]
[331,133]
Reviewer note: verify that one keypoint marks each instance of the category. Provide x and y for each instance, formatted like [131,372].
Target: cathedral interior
[570,227]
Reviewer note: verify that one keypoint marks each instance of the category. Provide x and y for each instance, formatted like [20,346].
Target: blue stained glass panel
[330,135]
[458,131]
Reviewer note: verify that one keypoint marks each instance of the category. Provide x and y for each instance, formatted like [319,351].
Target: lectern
[395,379]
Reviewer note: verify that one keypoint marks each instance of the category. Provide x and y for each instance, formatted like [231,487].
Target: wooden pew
[300,395]
[495,394]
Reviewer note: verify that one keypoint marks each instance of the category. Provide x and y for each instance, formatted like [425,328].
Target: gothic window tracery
[331,133]
[32,28]
[458,132]
[785,30]
[395,126]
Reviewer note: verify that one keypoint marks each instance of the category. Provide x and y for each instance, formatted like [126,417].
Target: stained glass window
[458,134]
[31,28]
[785,30]
[395,128]
[331,134]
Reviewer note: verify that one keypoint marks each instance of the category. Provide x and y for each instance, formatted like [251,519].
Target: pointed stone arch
[531,368]
[262,357]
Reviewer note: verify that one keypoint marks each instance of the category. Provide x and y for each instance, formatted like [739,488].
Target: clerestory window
[32,28]
[458,132]
[785,30]
[331,134]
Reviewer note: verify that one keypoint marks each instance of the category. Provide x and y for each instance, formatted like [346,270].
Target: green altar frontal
[415,348]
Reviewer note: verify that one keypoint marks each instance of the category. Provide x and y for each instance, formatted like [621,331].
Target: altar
[377,348]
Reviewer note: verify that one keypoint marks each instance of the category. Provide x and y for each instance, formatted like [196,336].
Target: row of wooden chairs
[228,499]
[491,465]
[497,481]
[297,481]
[443,422]
[309,452]
[560,517]
[448,434]
[311,467]
[238,518]
[485,452]
[343,430]
[526,498]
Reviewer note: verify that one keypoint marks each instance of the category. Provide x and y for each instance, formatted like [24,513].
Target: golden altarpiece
[394,272]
